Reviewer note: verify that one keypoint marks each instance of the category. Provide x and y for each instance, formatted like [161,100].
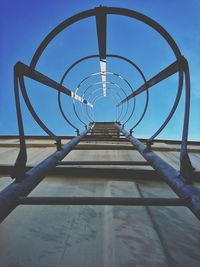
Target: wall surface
[98,235]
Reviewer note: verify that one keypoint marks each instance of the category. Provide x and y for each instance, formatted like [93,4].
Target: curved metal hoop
[93,101]
[116,11]
[97,98]
[182,69]
[119,87]
[107,10]
[111,83]
[99,73]
[119,57]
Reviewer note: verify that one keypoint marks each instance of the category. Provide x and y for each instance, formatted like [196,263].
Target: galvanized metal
[9,196]
[16,193]
[168,173]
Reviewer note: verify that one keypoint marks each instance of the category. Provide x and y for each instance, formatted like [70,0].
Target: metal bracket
[149,143]
[58,144]
[186,168]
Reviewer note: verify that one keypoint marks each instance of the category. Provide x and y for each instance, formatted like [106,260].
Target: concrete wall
[98,236]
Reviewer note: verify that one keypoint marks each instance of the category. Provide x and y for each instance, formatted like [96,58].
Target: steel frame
[9,197]
[21,70]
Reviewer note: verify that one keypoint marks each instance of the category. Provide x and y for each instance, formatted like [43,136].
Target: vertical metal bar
[32,111]
[173,109]
[101,35]
[10,195]
[101,31]
[186,168]
[20,164]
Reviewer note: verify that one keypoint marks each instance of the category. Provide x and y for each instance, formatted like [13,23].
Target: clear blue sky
[24,24]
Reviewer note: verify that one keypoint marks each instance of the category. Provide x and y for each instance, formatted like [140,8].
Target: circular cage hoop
[110,73]
[116,11]
[133,64]
[21,70]
[93,101]
[106,10]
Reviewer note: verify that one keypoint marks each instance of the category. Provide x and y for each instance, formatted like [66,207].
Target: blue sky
[24,24]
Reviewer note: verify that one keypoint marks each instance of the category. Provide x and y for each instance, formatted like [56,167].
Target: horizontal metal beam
[109,173]
[131,163]
[24,70]
[69,137]
[104,130]
[103,146]
[97,201]
[165,73]
[10,195]
[168,173]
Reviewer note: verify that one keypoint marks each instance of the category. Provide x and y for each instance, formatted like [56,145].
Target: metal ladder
[17,193]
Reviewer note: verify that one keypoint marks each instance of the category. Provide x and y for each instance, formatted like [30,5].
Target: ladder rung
[117,201]
[135,163]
